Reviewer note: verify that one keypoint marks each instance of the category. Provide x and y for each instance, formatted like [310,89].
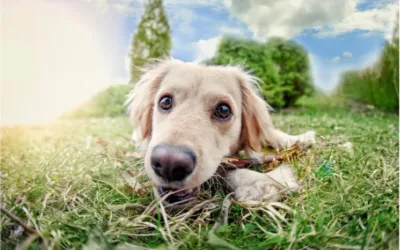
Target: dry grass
[66,184]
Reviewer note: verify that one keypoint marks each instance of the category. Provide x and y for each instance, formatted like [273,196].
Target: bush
[361,86]
[281,66]
[109,102]
[293,68]
[377,85]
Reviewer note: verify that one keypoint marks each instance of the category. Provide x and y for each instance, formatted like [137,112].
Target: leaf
[290,153]
[235,162]
[217,243]
[126,246]
[102,143]
[133,154]
[223,229]
[97,241]
[132,185]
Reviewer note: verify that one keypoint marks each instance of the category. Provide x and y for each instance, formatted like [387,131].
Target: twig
[16,219]
[230,163]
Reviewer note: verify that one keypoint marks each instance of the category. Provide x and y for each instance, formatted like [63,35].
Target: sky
[55,54]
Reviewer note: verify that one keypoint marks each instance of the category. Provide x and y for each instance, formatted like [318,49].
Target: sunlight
[51,60]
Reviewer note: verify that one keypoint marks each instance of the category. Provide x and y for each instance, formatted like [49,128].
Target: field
[64,180]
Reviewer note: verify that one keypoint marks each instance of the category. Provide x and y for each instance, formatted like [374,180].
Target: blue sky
[338,34]
[75,48]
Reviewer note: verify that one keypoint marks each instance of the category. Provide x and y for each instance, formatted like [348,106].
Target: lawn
[64,180]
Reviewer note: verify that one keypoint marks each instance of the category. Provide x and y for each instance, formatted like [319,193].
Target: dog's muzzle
[173,164]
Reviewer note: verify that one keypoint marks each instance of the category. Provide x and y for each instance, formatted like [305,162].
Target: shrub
[377,85]
[361,86]
[109,102]
[282,81]
[293,68]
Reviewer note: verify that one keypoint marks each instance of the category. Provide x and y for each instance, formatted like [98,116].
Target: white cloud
[229,30]
[288,18]
[336,59]
[182,20]
[206,49]
[378,20]
[347,54]
[285,18]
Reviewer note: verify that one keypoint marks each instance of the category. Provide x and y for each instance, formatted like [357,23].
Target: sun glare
[51,61]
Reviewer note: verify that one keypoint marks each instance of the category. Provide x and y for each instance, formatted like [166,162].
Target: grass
[61,180]
[109,102]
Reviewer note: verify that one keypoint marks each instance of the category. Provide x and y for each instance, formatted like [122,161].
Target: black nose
[173,163]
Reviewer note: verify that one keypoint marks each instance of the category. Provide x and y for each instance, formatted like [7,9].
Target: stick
[234,163]
[230,163]
[16,219]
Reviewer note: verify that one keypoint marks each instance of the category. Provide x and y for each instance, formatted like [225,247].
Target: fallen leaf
[102,143]
[133,154]
[290,153]
[132,185]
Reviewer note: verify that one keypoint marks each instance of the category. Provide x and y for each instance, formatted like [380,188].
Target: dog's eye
[222,112]
[165,103]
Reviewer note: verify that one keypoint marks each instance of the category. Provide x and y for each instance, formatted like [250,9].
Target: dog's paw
[307,139]
[257,191]
[251,186]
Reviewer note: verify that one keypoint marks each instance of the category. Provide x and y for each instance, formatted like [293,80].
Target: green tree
[152,38]
[293,66]
[255,57]
[282,66]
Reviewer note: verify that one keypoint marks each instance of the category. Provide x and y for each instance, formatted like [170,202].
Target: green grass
[60,181]
[109,102]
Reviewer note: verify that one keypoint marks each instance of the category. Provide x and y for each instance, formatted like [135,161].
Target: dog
[187,117]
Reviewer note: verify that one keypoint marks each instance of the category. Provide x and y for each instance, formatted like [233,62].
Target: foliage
[108,103]
[377,85]
[282,66]
[152,38]
[293,68]
[255,57]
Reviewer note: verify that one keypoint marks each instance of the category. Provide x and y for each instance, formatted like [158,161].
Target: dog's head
[188,117]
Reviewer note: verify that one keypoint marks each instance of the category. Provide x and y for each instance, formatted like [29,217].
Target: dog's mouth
[178,195]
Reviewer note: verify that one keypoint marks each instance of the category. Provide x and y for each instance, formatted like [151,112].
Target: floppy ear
[257,127]
[141,98]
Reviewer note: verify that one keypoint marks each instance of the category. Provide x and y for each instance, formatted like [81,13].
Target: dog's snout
[173,163]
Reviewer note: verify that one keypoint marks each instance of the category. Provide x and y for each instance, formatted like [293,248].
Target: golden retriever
[188,117]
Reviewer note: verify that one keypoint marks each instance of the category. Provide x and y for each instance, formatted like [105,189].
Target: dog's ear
[141,98]
[257,127]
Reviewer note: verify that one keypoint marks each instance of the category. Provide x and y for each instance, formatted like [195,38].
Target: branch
[230,163]
[16,219]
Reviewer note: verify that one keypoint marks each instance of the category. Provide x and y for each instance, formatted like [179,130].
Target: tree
[254,57]
[282,66]
[293,68]
[152,38]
